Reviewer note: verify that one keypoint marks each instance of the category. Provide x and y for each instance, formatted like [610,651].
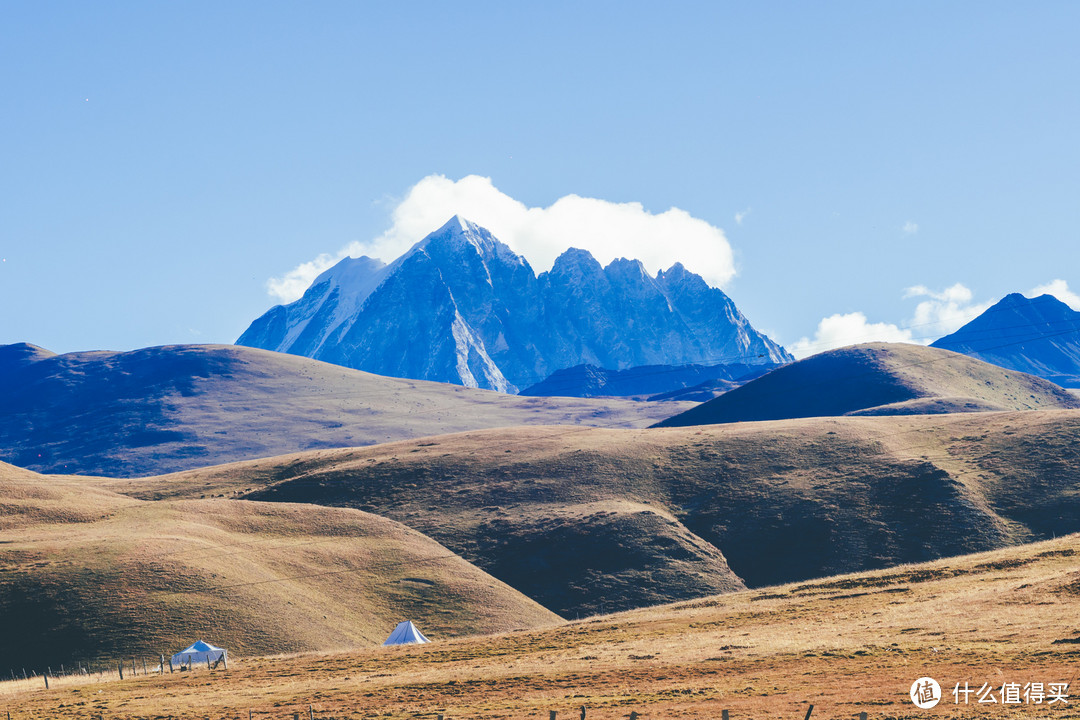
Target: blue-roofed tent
[199,652]
[406,634]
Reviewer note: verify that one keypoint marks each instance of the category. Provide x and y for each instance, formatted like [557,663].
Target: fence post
[133,673]
[582,712]
[808,711]
[551,715]
[46,676]
[162,666]
[723,715]
[170,665]
[311,712]
[120,668]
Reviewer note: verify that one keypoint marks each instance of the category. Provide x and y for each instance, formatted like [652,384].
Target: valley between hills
[846,645]
[891,511]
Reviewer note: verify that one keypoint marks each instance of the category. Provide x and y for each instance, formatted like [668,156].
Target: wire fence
[100,671]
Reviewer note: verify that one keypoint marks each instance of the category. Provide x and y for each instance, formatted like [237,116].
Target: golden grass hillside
[879,379]
[87,575]
[589,520]
[845,644]
[169,408]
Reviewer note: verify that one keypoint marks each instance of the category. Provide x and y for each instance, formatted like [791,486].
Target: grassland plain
[588,520]
[88,576]
[846,644]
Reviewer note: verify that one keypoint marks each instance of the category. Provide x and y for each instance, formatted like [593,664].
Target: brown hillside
[170,408]
[845,644]
[584,520]
[89,575]
[879,379]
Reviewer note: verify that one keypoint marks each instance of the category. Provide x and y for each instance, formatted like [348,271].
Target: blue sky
[161,162]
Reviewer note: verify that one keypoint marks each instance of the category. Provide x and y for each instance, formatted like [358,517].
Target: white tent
[199,652]
[405,634]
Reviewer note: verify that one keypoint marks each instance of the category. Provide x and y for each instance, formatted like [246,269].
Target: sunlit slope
[86,574]
[585,520]
[845,644]
[169,408]
[879,379]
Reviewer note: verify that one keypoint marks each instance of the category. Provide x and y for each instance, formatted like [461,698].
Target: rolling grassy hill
[86,574]
[586,520]
[844,644]
[185,406]
[879,379]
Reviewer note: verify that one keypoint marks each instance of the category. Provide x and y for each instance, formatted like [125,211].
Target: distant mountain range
[461,307]
[648,380]
[1040,336]
[177,407]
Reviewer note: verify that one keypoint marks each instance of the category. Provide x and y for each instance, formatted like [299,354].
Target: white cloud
[606,229]
[943,312]
[1059,289]
[292,284]
[910,228]
[849,329]
[739,216]
[940,313]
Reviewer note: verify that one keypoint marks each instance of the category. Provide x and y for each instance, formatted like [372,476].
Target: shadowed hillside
[185,406]
[590,519]
[89,575]
[844,644]
[879,379]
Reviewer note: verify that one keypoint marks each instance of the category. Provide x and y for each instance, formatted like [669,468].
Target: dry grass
[588,520]
[846,644]
[86,575]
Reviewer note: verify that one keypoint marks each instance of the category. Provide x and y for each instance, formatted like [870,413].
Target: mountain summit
[1040,336]
[462,307]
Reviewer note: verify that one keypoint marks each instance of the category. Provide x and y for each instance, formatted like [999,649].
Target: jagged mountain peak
[458,234]
[626,267]
[1038,335]
[461,306]
[678,273]
[574,266]
[349,271]
[457,230]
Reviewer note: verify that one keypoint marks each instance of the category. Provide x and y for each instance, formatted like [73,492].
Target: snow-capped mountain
[461,307]
[1040,336]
